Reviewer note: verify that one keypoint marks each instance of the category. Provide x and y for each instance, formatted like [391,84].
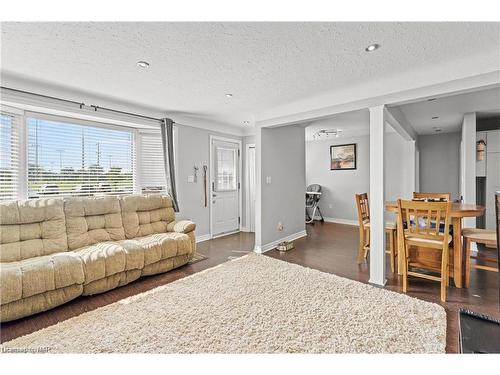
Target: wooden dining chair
[486,237]
[423,195]
[364,231]
[417,221]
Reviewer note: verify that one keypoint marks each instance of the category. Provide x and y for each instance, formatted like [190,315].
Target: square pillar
[377,196]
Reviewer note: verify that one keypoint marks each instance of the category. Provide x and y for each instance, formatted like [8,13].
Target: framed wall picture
[343,157]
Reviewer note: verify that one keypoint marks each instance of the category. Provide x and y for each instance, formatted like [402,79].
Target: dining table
[458,212]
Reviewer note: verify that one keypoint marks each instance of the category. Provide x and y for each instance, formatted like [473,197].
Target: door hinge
[239,220]
[239,186]
[238,152]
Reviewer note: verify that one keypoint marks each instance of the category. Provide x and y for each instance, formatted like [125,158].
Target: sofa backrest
[92,220]
[31,228]
[143,215]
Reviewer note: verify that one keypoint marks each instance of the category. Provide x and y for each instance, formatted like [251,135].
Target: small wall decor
[343,157]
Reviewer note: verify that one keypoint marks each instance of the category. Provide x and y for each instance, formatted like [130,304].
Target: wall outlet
[330,206]
[268,180]
[280,226]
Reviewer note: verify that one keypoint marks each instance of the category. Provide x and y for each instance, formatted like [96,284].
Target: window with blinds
[9,156]
[151,169]
[66,158]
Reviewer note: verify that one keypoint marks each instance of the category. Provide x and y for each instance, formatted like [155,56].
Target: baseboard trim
[341,221]
[245,229]
[271,245]
[203,238]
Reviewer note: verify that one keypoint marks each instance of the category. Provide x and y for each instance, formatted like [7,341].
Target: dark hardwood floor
[328,247]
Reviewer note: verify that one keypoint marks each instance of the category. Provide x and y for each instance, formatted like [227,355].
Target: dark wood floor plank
[328,247]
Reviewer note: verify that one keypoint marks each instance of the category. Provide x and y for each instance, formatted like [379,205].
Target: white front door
[225,185]
[251,187]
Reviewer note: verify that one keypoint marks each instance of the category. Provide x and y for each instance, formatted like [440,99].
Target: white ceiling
[193,65]
[450,110]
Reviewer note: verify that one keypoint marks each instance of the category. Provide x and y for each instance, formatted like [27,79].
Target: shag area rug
[253,304]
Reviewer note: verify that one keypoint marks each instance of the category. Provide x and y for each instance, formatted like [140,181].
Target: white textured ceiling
[193,65]
[450,110]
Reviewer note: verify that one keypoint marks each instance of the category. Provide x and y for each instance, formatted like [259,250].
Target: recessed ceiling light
[372,47]
[229,95]
[143,64]
[246,122]
[435,117]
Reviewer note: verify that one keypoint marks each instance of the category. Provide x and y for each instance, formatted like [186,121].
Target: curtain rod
[81,104]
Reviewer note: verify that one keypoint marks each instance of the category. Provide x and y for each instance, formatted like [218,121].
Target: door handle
[214,195]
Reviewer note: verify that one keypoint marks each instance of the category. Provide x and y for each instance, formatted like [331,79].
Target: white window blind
[151,169]
[9,156]
[71,158]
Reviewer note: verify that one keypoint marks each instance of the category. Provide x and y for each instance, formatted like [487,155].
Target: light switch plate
[190,179]
[268,180]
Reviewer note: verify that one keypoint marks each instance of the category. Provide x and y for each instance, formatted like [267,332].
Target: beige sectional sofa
[54,250]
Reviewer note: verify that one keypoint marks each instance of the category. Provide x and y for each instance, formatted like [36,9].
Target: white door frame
[210,182]
[247,186]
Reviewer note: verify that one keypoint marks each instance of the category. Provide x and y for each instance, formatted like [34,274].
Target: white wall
[338,187]
[193,148]
[440,163]
[280,155]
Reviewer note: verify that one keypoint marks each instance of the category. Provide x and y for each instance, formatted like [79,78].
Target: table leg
[457,252]
[399,248]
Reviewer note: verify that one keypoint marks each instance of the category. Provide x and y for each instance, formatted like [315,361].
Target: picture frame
[343,157]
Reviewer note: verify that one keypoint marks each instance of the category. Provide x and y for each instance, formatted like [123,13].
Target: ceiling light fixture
[326,133]
[372,47]
[431,99]
[246,122]
[229,95]
[143,64]
[434,117]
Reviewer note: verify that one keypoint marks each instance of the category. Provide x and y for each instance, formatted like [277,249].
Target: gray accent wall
[338,187]
[283,160]
[440,163]
[193,148]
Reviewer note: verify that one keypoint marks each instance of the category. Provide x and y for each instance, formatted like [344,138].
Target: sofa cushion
[37,275]
[31,228]
[181,226]
[93,220]
[163,246]
[108,258]
[143,215]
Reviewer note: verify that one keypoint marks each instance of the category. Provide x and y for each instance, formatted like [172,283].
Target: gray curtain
[167,139]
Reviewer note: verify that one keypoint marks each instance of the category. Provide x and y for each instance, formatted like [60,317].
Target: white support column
[258,189]
[377,192]
[468,172]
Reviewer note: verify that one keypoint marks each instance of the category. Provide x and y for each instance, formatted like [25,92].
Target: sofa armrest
[181,226]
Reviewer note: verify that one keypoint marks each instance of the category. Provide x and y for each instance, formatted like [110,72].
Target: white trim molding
[203,238]
[272,245]
[340,221]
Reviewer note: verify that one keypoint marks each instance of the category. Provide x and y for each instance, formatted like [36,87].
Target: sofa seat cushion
[108,258]
[38,275]
[163,246]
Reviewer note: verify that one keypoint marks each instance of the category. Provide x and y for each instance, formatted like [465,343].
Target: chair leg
[391,249]
[444,274]
[404,263]
[361,246]
[467,242]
